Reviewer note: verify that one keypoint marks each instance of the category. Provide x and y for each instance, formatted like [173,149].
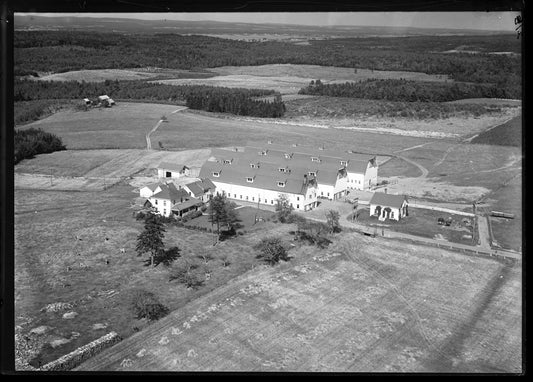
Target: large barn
[304,174]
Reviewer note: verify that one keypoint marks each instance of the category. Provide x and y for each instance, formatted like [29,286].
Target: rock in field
[58,342]
[56,307]
[69,315]
[99,326]
[40,330]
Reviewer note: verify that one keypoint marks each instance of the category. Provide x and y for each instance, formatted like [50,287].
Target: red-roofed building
[388,206]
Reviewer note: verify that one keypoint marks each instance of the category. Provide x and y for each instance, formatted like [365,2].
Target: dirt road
[148,141]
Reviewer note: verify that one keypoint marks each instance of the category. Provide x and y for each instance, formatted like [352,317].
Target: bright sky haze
[494,21]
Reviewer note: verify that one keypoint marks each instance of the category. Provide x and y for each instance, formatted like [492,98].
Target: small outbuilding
[172,170]
[150,189]
[388,206]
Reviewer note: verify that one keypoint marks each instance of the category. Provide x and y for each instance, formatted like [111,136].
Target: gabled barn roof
[171,166]
[389,200]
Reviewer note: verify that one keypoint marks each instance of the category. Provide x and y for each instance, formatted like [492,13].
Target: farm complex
[264,210]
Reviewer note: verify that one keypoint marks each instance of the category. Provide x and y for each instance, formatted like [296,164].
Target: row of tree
[224,101]
[238,101]
[57,51]
[30,142]
[409,91]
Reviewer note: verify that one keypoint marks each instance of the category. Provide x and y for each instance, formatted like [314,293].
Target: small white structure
[388,206]
[105,100]
[362,172]
[172,170]
[87,101]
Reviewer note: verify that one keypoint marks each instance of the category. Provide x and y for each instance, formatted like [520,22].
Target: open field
[288,79]
[125,126]
[101,75]
[122,126]
[326,74]
[362,305]
[53,266]
[92,170]
[506,134]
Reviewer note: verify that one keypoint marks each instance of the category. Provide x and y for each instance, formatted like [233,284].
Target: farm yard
[423,222]
[401,308]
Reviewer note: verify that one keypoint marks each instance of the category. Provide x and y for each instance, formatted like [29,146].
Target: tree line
[59,51]
[30,142]
[409,91]
[238,101]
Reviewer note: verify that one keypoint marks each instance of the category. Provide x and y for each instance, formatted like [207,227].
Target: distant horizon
[482,21]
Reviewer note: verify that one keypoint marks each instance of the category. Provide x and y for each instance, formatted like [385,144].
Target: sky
[496,21]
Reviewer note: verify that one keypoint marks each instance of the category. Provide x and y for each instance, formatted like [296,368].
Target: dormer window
[250,179]
[315,159]
[321,148]
[343,163]
[282,169]
[216,174]
[228,161]
[294,145]
[288,155]
[269,142]
[281,184]
[312,173]
[252,165]
[263,152]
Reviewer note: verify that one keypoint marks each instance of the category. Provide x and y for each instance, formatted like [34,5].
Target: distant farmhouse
[388,206]
[304,174]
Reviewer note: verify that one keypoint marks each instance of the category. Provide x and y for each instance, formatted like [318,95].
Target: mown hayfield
[325,73]
[123,126]
[99,75]
[110,163]
[363,305]
[62,256]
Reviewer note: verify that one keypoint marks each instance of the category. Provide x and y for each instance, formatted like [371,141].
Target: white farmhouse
[168,195]
[172,170]
[388,206]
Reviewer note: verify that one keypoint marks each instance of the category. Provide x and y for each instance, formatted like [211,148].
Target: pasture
[326,74]
[363,305]
[101,75]
[63,259]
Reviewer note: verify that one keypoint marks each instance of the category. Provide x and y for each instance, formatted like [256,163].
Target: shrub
[165,257]
[146,305]
[190,272]
[271,250]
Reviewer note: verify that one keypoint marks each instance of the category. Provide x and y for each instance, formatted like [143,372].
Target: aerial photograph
[270,192]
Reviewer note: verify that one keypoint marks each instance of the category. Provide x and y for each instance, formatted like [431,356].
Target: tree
[151,239]
[333,221]
[271,250]
[221,211]
[165,257]
[146,305]
[188,271]
[283,208]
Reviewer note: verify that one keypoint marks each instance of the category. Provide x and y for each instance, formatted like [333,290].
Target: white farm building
[260,174]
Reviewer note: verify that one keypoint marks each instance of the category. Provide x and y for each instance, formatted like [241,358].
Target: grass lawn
[246,215]
[362,305]
[92,275]
[422,222]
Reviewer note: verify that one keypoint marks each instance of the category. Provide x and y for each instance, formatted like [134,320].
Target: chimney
[305,179]
[385,190]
